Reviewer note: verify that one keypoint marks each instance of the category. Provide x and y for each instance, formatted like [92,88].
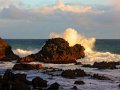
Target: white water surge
[73,37]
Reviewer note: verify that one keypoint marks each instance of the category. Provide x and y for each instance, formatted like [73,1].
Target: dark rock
[8,76]
[6,52]
[99,77]
[87,65]
[54,86]
[80,73]
[21,78]
[79,82]
[27,66]
[75,88]
[18,85]
[104,65]
[38,82]
[69,74]
[73,73]
[58,51]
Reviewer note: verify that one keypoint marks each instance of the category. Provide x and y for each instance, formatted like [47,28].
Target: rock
[54,86]
[25,59]
[75,88]
[73,73]
[38,82]
[8,76]
[87,65]
[99,77]
[80,73]
[79,82]
[18,85]
[104,65]
[21,78]
[57,51]
[6,52]
[27,66]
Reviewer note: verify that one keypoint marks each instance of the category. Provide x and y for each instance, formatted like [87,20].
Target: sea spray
[73,37]
[23,53]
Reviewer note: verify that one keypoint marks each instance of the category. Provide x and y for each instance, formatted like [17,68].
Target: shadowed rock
[27,66]
[79,82]
[6,52]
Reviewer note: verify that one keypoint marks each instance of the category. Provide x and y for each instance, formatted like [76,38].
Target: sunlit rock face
[57,50]
[6,52]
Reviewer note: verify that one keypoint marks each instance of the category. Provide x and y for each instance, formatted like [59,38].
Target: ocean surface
[101,45]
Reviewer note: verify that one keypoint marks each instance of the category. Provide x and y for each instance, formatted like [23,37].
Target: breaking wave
[73,37]
[23,53]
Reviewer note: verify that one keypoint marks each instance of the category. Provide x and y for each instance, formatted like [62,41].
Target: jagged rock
[79,82]
[54,86]
[6,52]
[58,51]
[38,82]
[22,66]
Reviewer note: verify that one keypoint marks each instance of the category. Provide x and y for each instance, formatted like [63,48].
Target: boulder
[73,73]
[56,50]
[105,65]
[38,82]
[54,86]
[79,82]
[100,77]
[6,52]
[22,66]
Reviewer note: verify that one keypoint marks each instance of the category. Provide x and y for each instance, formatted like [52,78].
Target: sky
[36,19]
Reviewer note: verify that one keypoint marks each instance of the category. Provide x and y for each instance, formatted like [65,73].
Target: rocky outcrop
[6,52]
[58,51]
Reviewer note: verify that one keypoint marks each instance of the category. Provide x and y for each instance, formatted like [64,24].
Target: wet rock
[58,51]
[104,65]
[8,76]
[74,88]
[99,77]
[69,74]
[79,82]
[80,73]
[54,86]
[87,65]
[18,85]
[38,82]
[21,78]
[26,59]
[27,66]
[73,73]
[6,52]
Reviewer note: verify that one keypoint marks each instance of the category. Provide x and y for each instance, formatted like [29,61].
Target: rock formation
[58,51]
[6,52]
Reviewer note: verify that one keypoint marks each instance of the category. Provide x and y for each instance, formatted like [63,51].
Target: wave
[23,53]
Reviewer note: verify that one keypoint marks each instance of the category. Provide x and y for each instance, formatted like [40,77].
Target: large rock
[22,66]
[6,52]
[58,51]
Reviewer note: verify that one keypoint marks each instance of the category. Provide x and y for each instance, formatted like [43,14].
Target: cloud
[70,7]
